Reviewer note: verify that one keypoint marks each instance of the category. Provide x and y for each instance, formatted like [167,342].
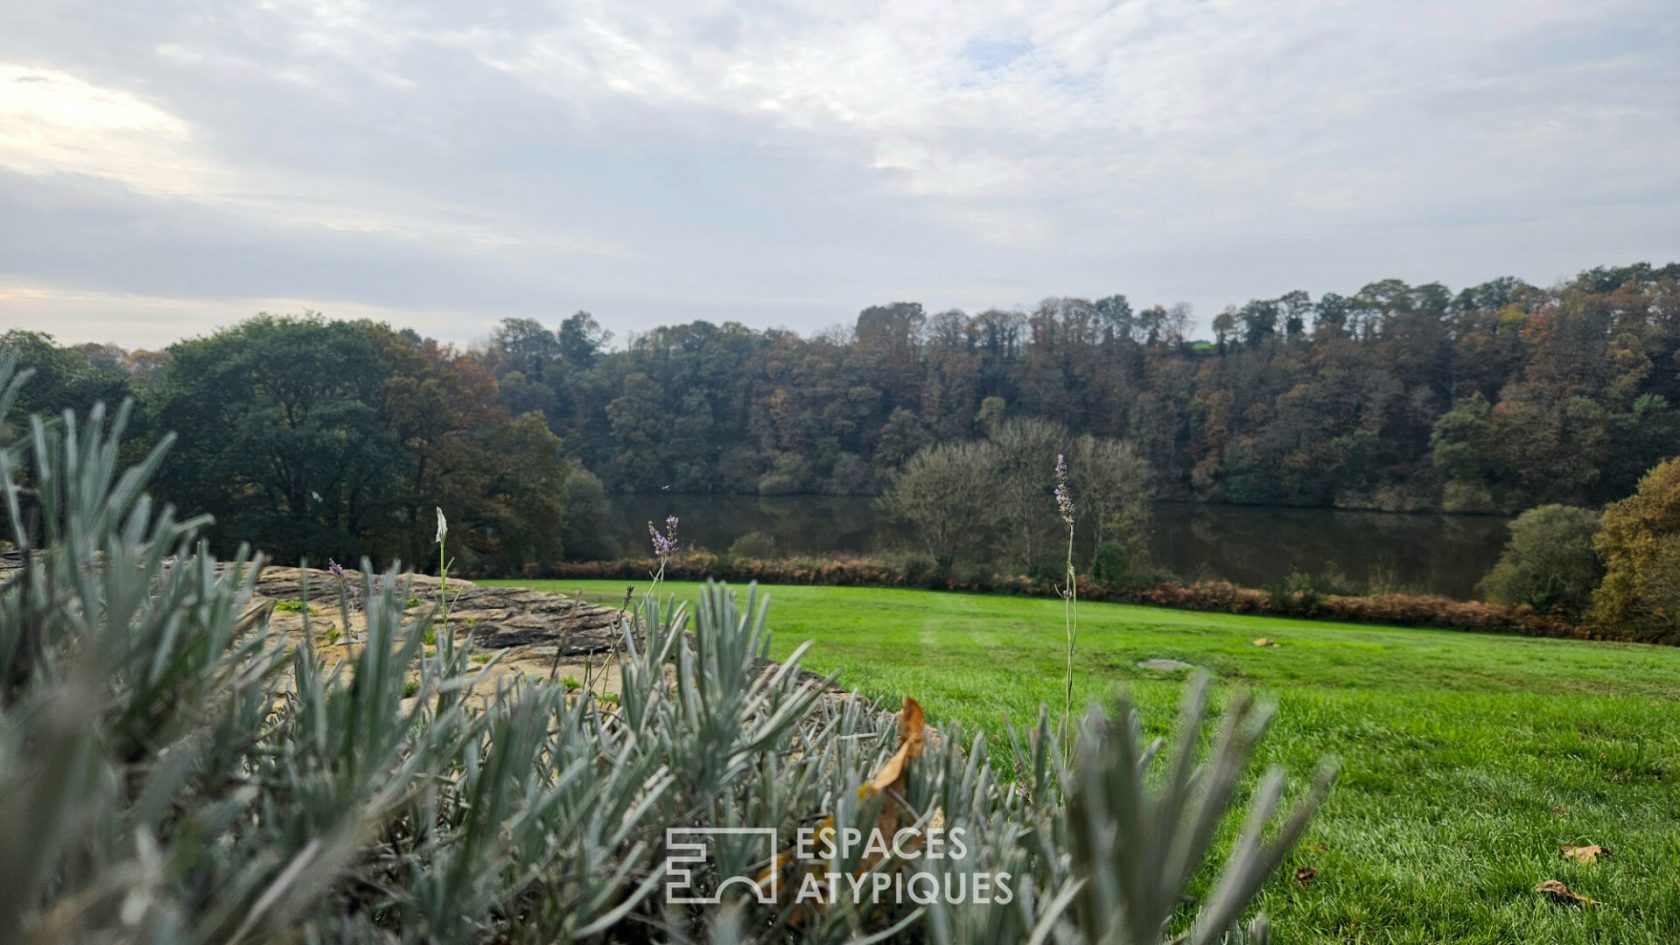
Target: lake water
[1256,547]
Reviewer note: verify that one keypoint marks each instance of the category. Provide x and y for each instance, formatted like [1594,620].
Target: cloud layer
[164,170]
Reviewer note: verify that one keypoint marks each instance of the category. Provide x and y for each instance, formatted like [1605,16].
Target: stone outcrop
[497,618]
[534,633]
[531,633]
[539,633]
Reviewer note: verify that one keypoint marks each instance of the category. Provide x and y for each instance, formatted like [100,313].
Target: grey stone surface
[496,617]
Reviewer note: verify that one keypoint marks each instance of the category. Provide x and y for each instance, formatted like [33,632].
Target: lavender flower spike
[664,544]
[1064,498]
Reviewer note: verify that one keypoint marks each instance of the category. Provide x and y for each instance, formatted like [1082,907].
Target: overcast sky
[165,170]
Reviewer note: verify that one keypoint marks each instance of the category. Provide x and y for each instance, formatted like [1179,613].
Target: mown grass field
[1467,760]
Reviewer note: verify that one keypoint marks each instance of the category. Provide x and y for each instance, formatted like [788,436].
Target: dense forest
[333,438]
[1496,398]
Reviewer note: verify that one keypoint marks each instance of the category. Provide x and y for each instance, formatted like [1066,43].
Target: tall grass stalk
[664,546]
[443,571]
[1070,594]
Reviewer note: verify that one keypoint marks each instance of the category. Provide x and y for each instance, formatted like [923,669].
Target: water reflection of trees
[1369,551]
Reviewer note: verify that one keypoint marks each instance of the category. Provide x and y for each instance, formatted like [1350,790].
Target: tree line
[326,440]
[332,438]
[1398,397]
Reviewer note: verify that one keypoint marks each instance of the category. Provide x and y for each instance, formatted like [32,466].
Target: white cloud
[686,157]
[1113,106]
[54,123]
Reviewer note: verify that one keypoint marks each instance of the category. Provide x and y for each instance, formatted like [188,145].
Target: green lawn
[1467,759]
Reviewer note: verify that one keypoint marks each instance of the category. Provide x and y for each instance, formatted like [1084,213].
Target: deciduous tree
[1639,542]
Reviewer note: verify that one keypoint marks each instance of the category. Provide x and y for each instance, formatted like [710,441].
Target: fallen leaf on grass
[1586,855]
[1305,875]
[1563,895]
[1263,641]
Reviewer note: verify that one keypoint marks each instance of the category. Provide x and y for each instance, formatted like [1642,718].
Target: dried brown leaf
[891,781]
[1305,875]
[912,727]
[1585,855]
[1562,895]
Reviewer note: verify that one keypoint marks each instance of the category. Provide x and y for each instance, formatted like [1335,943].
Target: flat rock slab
[1165,666]
[498,618]
[545,634]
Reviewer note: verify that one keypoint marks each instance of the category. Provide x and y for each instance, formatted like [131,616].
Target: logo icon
[691,848]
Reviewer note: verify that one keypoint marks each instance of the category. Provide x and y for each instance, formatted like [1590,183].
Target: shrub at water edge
[1549,563]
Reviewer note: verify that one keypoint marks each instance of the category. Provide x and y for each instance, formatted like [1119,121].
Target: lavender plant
[175,770]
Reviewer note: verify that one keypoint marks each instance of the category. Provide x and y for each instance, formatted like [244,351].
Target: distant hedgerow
[1411,610]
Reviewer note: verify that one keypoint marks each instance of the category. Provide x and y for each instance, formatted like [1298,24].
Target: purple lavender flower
[1064,498]
[664,544]
[348,589]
